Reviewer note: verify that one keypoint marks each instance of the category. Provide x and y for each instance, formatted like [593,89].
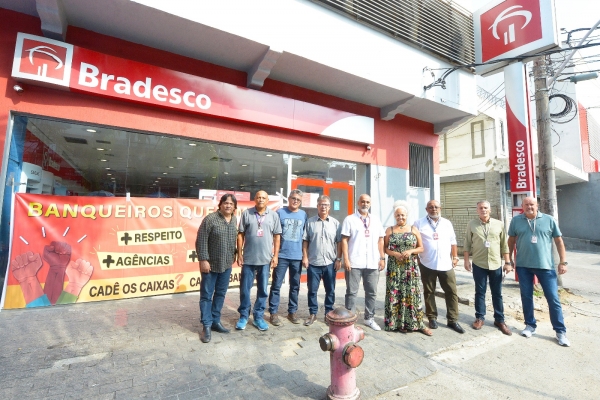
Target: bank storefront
[110,165]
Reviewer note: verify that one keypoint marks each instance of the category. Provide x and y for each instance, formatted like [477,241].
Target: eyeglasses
[295,199]
[324,205]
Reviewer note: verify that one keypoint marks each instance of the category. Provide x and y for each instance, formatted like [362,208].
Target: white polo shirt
[437,253]
[362,250]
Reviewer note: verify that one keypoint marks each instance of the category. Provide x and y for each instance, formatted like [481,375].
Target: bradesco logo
[521,166]
[90,76]
[509,25]
[47,61]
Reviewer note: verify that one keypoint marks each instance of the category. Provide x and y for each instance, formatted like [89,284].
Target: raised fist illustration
[58,255]
[79,273]
[25,268]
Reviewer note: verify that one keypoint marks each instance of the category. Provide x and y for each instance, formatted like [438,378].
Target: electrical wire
[569,107]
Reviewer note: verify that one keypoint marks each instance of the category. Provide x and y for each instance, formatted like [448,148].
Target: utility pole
[548,202]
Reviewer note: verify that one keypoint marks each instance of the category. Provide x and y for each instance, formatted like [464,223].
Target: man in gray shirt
[258,251]
[321,256]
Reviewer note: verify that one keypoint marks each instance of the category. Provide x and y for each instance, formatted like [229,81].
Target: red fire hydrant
[345,354]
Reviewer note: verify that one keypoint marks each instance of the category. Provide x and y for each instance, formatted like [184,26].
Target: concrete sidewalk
[150,348]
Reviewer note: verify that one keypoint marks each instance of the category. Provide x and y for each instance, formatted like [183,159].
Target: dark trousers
[213,288]
[447,280]
[314,276]
[481,276]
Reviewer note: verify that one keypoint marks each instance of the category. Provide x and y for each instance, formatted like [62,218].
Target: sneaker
[260,324]
[528,331]
[562,339]
[372,324]
[241,324]
[275,321]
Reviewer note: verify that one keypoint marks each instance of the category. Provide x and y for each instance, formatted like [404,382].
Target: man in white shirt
[362,247]
[438,261]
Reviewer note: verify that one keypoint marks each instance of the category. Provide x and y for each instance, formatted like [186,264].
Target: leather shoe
[205,335]
[275,321]
[456,327]
[477,324]
[310,320]
[503,328]
[293,318]
[218,327]
[433,323]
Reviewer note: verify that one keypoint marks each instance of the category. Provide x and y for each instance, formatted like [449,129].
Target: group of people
[286,241]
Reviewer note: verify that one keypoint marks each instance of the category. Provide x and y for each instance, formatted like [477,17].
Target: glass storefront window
[75,159]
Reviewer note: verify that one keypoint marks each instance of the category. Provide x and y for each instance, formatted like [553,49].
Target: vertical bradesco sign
[80,249]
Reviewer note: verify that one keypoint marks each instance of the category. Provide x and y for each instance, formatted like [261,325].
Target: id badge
[367,233]
[435,236]
[486,243]
[260,232]
[534,239]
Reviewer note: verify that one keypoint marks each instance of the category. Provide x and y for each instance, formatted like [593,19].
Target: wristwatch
[338,259]
[381,258]
[563,263]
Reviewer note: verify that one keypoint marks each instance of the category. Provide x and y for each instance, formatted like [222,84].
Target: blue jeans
[548,280]
[262,278]
[480,276]
[295,267]
[314,275]
[213,288]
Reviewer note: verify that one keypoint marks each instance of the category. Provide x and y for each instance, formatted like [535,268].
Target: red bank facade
[114,151]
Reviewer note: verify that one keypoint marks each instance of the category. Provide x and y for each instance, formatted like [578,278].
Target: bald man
[258,252]
[437,262]
[532,232]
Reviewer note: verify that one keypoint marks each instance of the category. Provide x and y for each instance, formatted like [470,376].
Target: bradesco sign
[512,28]
[52,63]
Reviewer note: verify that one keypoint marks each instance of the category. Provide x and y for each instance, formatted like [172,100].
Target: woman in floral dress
[403,303]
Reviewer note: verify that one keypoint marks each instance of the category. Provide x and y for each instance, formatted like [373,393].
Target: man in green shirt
[486,243]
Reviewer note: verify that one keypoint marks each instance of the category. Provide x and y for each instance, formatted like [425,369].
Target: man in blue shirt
[293,220]
[532,232]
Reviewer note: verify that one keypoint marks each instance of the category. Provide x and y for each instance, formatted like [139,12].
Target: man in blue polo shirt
[293,220]
[532,232]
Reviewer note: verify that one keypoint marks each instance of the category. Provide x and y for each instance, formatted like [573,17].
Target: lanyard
[483,226]
[431,223]
[530,227]
[364,221]
[260,219]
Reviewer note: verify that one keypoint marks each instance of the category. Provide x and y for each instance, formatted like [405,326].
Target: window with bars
[420,168]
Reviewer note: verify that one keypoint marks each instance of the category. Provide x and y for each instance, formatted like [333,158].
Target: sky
[570,14]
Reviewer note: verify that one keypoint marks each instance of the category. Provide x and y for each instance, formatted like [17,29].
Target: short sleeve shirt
[322,237]
[292,230]
[258,250]
[436,252]
[363,247]
[534,255]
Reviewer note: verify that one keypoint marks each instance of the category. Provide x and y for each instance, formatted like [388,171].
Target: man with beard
[362,247]
[437,261]
[215,246]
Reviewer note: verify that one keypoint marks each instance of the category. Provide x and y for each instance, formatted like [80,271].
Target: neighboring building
[578,202]
[168,98]
[473,165]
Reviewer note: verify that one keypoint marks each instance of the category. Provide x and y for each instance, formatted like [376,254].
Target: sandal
[426,332]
